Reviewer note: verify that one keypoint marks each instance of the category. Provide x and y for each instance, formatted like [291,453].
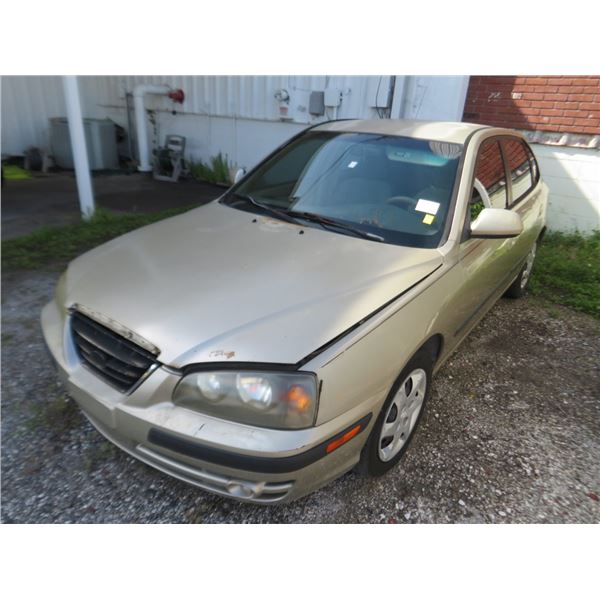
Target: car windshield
[394,189]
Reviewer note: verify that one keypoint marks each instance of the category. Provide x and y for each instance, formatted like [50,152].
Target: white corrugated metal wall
[26,105]
[236,115]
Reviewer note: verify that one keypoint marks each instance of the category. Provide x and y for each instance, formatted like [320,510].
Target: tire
[380,453]
[519,285]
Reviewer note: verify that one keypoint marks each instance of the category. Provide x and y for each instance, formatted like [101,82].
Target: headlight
[209,385]
[255,391]
[280,400]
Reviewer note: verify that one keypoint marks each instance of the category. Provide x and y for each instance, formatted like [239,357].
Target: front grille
[115,359]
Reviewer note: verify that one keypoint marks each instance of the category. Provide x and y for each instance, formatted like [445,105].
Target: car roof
[443,131]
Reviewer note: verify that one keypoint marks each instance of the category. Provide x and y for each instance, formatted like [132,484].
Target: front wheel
[399,417]
[517,289]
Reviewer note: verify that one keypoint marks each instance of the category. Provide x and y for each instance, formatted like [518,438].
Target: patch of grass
[58,415]
[567,271]
[61,244]
[217,171]
[14,172]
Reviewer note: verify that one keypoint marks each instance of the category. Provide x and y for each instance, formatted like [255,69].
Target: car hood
[220,284]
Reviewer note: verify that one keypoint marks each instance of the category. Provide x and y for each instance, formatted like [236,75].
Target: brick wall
[556,104]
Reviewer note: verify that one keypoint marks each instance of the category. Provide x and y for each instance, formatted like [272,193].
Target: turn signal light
[343,439]
[299,398]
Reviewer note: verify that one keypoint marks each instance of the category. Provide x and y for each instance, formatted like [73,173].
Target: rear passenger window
[489,190]
[519,161]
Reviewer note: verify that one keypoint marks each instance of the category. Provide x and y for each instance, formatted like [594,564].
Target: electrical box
[333,97]
[316,103]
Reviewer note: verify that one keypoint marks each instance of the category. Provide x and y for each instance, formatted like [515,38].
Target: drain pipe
[140,117]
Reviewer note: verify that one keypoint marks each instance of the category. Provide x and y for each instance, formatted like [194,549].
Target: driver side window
[489,186]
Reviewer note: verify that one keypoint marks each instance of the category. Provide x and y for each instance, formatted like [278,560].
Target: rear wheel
[517,289]
[399,417]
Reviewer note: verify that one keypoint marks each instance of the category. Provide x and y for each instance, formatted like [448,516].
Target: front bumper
[247,463]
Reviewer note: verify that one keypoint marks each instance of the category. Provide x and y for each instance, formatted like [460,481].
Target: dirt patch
[511,434]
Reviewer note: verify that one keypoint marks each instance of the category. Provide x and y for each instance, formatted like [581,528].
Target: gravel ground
[511,435]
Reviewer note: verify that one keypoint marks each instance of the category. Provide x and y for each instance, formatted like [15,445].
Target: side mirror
[238,175]
[496,223]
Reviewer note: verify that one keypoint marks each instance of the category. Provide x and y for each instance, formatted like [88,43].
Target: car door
[486,264]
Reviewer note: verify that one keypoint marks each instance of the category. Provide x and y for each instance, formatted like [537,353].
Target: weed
[57,416]
[99,453]
[215,172]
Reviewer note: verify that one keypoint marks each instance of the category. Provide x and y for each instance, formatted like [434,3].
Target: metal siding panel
[27,105]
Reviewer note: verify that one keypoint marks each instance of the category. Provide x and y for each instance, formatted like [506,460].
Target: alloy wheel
[402,414]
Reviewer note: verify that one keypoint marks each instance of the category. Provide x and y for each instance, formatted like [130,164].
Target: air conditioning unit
[100,138]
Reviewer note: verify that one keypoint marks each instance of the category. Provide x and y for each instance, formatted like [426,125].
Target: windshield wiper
[284,216]
[327,222]
[291,217]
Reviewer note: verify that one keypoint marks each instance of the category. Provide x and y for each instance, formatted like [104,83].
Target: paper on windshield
[427,206]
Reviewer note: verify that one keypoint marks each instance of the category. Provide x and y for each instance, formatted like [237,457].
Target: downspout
[140,117]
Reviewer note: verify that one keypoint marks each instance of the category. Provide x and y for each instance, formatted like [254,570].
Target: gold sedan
[263,344]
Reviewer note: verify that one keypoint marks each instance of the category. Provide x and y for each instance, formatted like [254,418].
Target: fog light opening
[241,489]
